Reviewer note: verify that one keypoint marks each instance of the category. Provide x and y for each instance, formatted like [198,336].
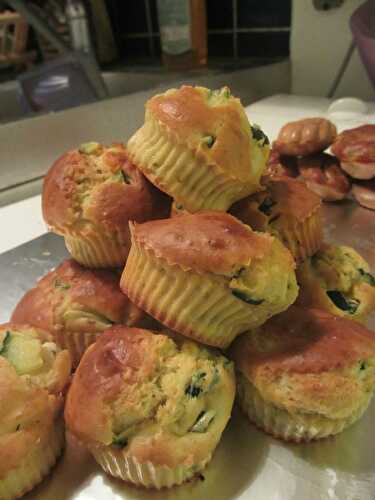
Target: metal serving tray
[247,463]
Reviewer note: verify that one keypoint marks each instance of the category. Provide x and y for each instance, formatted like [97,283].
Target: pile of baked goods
[194,278]
[347,171]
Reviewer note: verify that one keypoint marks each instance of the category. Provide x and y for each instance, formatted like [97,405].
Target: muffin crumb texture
[146,398]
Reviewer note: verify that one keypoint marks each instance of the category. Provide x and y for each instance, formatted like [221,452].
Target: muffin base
[77,343]
[128,468]
[303,239]
[183,173]
[35,466]
[281,424]
[199,306]
[97,251]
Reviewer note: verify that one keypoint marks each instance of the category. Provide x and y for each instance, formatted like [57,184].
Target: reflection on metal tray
[247,464]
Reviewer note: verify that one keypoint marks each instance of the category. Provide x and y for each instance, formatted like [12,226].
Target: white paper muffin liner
[128,468]
[97,251]
[77,343]
[297,427]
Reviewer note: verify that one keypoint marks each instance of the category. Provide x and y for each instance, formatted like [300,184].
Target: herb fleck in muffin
[34,374]
[198,146]
[208,276]
[150,410]
[76,305]
[337,279]
[288,210]
[90,194]
[305,374]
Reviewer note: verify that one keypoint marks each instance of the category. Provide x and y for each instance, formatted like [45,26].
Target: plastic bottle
[78,25]
[183,32]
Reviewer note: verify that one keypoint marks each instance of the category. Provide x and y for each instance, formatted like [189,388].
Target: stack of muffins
[162,280]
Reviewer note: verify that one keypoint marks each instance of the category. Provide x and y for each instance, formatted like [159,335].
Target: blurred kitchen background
[108,48]
[56,55]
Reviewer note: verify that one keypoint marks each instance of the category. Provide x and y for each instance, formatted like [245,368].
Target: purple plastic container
[362,24]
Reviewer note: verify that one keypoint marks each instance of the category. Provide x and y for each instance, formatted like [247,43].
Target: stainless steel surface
[247,464]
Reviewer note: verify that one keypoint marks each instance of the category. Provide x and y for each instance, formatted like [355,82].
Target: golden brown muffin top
[34,374]
[356,144]
[98,185]
[282,197]
[208,241]
[146,393]
[293,198]
[303,341]
[305,137]
[75,298]
[214,122]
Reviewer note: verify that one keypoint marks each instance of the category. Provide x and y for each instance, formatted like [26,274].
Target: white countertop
[22,221]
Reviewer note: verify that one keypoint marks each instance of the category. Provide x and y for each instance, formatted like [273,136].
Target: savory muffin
[305,374]
[288,210]
[198,146]
[355,149]
[337,279]
[150,409]
[305,137]
[90,194]
[76,305]
[323,175]
[34,374]
[207,275]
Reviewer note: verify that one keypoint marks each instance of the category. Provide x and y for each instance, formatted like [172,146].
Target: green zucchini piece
[25,354]
[194,389]
[121,176]
[75,318]
[367,277]
[203,421]
[239,294]
[348,305]
[208,140]
[60,284]
[89,148]
[4,341]
[259,135]
[266,205]
[120,441]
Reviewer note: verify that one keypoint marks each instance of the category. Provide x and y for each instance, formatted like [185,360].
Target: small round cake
[305,137]
[288,210]
[355,149]
[364,193]
[279,166]
[76,305]
[198,146]
[323,175]
[337,279]
[305,374]
[150,409]
[34,375]
[208,276]
[90,194]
